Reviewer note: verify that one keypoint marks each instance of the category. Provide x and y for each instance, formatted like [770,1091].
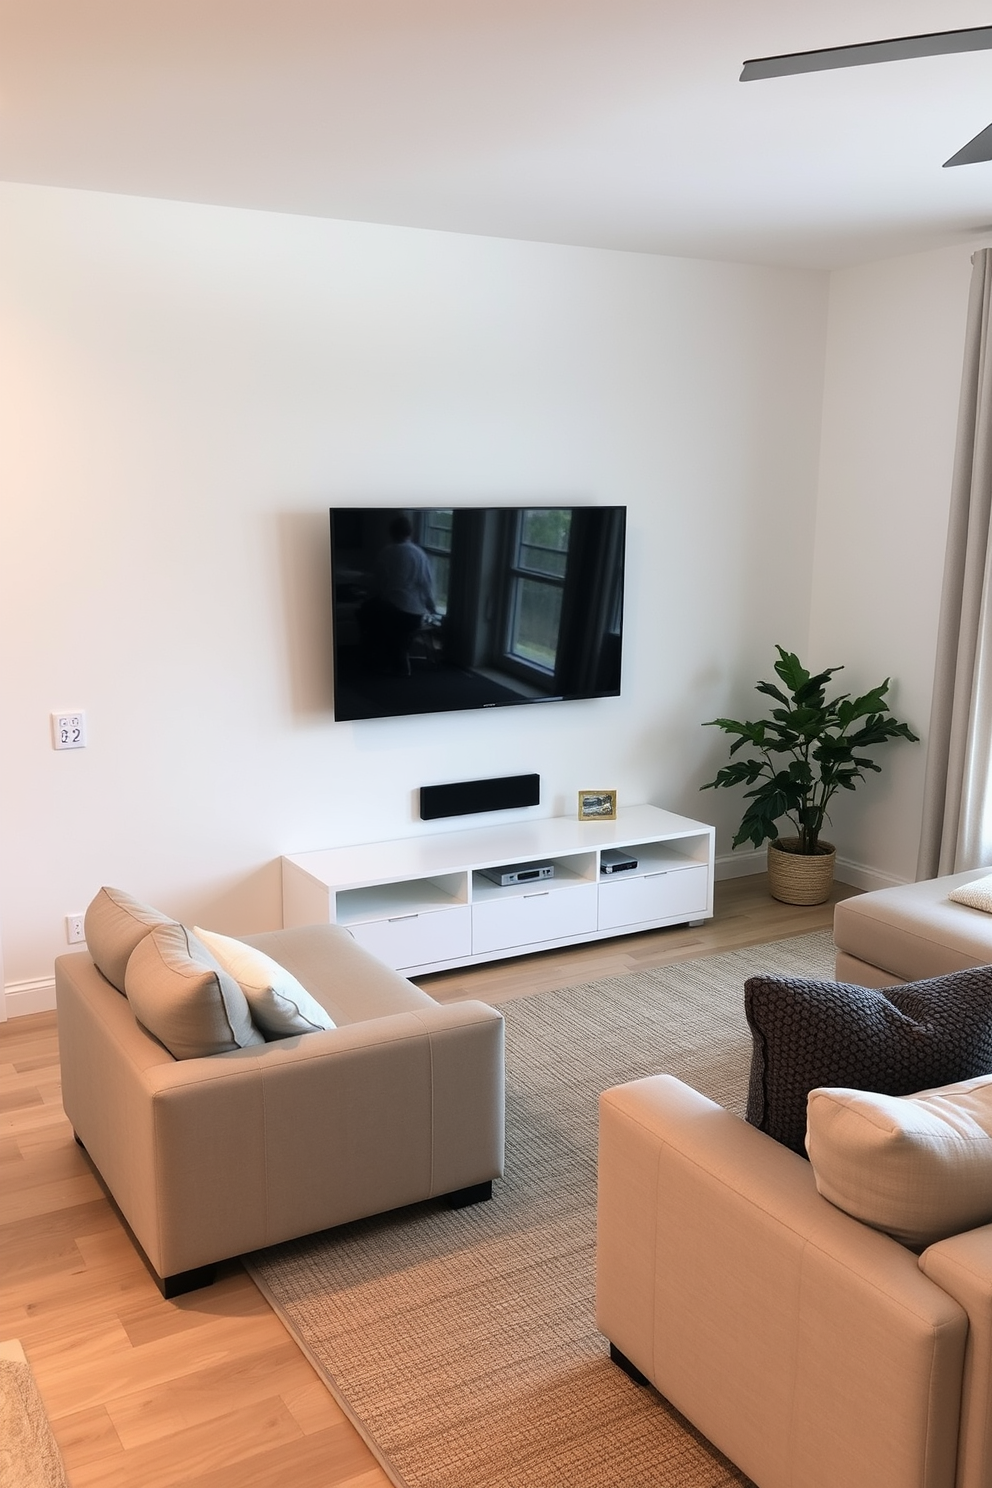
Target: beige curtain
[957,803]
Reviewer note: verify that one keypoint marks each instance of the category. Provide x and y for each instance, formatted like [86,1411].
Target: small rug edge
[326,1378]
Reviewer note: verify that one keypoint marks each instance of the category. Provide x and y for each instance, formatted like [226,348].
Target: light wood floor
[209,1391]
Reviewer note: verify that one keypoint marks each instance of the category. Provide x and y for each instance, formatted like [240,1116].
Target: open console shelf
[425,903]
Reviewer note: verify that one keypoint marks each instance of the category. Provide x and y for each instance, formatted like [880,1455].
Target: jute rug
[463,1344]
[29,1456]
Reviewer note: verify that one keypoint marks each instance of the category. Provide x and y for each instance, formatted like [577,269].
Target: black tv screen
[443,608]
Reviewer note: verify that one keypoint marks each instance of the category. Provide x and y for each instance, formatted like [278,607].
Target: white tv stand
[424,904]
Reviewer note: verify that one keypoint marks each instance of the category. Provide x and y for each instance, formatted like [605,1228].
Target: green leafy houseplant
[808,749]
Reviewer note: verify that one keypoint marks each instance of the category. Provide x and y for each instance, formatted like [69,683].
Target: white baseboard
[862,877]
[35,996]
[859,875]
[741,864]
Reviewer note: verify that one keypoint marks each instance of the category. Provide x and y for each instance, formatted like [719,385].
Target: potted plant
[808,749]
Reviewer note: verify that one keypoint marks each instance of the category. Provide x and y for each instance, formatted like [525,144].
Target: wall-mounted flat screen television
[443,608]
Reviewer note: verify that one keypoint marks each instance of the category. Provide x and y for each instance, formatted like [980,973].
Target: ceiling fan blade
[932,44]
[975,151]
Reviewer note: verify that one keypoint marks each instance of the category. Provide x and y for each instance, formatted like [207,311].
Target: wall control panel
[69,730]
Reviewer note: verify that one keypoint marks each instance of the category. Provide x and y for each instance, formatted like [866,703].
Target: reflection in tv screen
[440,609]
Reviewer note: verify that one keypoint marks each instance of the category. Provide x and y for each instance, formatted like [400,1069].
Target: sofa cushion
[279,1005]
[917,1166]
[114,923]
[895,1041]
[185,998]
[977,894]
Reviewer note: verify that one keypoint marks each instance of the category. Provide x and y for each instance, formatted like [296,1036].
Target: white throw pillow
[977,894]
[280,1005]
[917,1166]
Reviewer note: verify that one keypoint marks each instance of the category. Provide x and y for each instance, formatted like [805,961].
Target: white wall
[185,390]
[894,355]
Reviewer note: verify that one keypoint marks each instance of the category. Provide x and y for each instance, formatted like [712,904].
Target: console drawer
[418,939]
[670,893]
[539,914]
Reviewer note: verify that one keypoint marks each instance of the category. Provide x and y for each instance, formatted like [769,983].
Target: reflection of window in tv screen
[443,608]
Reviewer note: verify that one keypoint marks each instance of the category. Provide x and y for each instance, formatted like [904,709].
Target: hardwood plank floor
[209,1390]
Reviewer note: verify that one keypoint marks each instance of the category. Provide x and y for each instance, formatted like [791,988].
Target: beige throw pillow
[917,1166]
[977,894]
[114,923]
[184,998]
[280,1005]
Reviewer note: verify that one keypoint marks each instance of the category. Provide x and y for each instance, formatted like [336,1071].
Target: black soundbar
[467,797]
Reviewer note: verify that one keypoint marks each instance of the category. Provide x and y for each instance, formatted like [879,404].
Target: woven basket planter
[800,878]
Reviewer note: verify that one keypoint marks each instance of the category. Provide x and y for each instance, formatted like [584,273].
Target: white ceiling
[613,123]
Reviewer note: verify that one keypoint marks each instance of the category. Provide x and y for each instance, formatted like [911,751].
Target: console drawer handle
[542,894]
[395,919]
[658,873]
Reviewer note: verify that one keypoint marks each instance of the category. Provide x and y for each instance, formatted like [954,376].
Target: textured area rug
[29,1456]
[463,1343]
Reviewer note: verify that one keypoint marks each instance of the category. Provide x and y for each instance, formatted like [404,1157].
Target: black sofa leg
[624,1363]
[477,1193]
[182,1281]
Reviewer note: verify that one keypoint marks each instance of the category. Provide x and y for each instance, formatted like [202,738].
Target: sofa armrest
[797,1340]
[962,1265]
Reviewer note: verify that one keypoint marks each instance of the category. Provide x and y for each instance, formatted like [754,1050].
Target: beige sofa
[208,1158]
[814,1351]
[910,932]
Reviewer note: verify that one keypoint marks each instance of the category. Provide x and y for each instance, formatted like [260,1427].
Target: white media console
[425,904]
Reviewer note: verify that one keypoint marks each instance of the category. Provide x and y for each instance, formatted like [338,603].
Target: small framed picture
[597,805]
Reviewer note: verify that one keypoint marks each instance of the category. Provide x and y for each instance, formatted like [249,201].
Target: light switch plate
[69,730]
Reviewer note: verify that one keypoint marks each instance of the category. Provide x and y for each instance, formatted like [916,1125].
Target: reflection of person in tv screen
[403,596]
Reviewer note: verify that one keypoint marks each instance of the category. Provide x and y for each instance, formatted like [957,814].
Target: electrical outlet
[74,931]
[69,730]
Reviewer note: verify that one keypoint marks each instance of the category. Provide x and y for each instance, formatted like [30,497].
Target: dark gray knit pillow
[894,1041]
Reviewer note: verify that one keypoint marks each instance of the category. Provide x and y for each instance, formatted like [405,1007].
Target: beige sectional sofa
[210,1157]
[910,932]
[813,1350]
